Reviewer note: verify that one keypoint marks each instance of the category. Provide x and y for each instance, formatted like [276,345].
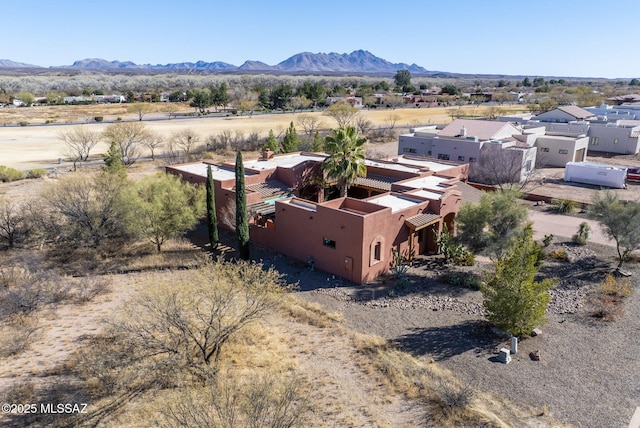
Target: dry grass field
[31,146]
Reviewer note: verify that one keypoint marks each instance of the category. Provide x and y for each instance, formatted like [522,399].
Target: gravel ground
[589,371]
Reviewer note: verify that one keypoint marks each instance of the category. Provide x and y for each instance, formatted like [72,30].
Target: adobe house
[399,205]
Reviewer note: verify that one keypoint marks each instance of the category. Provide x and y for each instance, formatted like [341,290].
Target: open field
[39,146]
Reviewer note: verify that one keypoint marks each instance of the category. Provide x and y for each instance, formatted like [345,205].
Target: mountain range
[359,61]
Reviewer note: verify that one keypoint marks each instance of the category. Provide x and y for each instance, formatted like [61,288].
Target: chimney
[463,132]
[267,154]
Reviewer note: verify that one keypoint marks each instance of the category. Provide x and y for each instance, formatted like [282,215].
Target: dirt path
[565,226]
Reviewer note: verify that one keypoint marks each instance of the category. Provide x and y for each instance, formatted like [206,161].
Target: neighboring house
[491,148]
[564,114]
[354,101]
[619,136]
[399,205]
[18,103]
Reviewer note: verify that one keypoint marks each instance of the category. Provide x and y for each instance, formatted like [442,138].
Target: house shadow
[444,342]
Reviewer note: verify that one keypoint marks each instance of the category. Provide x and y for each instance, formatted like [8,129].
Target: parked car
[633,173]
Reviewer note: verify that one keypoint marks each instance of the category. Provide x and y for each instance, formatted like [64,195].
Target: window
[443,156]
[461,158]
[472,159]
[615,141]
[563,152]
[377,249]
[544,149]
[329,243]
[594,141]
[429,153]
[409,150]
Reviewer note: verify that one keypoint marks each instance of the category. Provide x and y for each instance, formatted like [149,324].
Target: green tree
[402,78]
[112,161]
[526,82]
[619,220]
[201,100]
[514,301]
[450,90]
[313,91]
[290,142]
[164,207]
[318,143]
[346,161]
[492,224]
[272,143]
[280,95]
[242,222]
[212,217]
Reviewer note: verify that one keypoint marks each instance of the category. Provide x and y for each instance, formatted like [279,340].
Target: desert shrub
[452,250]
[399,263]
[37,173]
[608,300]
[16,337]
[564,206]
[89,288]
[463,279]
[616,287]
[547,240]
[23,123]
[264,401]
[183,325]
[559,255]
[582,235]
[8,174]
[98,118]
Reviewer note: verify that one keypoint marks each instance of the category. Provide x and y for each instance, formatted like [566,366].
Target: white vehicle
[596,174]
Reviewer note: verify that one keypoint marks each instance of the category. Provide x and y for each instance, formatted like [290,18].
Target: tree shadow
[442,343]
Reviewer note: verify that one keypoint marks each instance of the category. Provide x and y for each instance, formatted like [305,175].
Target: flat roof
[431,182]
[286,161]
[395,202]
[432,165]
[200,169]
[392,166]
[427,194]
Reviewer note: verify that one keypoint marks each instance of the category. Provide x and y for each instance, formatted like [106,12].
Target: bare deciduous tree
[343,113]
[185,140]
[153,141]
[140,109]
[364,125]
[309,123]
[13,222]
[128,136]
[391,119]
[78,143]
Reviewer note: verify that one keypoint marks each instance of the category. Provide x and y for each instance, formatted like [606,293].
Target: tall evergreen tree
[212,217]
[290,142]
[318,143]
[272,143]
[242,222]
[113,161]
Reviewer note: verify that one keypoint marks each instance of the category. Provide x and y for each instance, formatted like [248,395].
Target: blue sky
[534,38]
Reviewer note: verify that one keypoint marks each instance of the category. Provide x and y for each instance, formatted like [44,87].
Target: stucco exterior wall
[613,139]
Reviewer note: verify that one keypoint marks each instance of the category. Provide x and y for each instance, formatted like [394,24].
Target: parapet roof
[200,168]
[395,202]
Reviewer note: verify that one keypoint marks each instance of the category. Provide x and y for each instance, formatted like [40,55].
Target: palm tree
[345,162]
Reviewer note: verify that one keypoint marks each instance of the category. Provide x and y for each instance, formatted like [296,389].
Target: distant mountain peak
[358,61]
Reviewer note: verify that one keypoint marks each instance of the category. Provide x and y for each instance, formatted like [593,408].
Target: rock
[536,332]
[535,355]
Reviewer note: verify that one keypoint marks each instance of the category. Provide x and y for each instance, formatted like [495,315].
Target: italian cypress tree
[212,218]
[242,222]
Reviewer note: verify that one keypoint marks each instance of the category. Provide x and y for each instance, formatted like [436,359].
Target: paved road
[565,226]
